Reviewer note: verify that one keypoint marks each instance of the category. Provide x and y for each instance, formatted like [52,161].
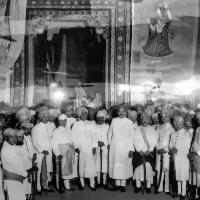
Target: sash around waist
[9,176]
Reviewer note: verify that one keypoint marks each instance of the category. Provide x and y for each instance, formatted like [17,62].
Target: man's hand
[141,153]
[45,153]
[108,147]
[130,154]
[94,151]
[101,144]
[77,150]
[174,150]
[161,151]
[147,153]
[191,155]
[60,157]
[34,157]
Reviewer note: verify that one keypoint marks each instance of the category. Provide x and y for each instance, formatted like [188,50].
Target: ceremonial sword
[100,152]
[160,175]
[144,167]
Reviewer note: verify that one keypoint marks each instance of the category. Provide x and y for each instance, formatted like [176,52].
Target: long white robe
[70,121]
[102,135]
[120,139]
[29,144]
[181,140]
[63,135]
[85,140]
[52,124]
[164,131]
[13,162]
[41,137]
[140,145]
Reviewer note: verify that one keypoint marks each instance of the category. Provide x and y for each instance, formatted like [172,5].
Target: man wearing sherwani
[155,120]
[139,109]
[86,144]
[41,138]
[188,126]
[52,114]
[120,141]
[162,149]
[63,148]
[102,137]
[14,168]
[179,147]
[145,139]
[70,120]
[132,115]
[91,115]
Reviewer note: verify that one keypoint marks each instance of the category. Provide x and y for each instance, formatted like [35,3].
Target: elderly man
[188,126]
[52,115]
[41,138]
[63,148]
[70,120]
[179,146]
[164,130]
[145,139]
[14,168]
[86,144]
[120,140]
[155,120]
[132,115]
[91,115]
[102,151]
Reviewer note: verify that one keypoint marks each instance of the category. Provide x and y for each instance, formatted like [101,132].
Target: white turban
[52,112]
[102,113]
[9,132]
[23,114]
[32,112]
[62,117]
[191,113]
[198,105]
[80,110]
[184,110]
[132,114]
[154,115]
[198,115]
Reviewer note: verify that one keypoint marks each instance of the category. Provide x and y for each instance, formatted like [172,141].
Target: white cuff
[198,152]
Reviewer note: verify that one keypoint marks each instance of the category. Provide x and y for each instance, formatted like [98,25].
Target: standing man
[120,141]
[52,114]
[179,146]
[62,143]
[91,115]
[70,119]
[139,109]
[133,117]
[41,138]
[145,139]
[102,137]
[155,120]
[86,144]
[164,131]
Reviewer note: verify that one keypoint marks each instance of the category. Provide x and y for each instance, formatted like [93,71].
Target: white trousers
[92,182]
[138,184]
[39,183]
[120,182]
[182,187]
[99,178]
[66,182]
[27,186]
[166,175]
[15,190]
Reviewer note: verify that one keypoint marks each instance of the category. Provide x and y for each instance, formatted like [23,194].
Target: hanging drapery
[14,28]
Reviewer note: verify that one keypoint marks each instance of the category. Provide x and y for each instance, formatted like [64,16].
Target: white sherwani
[1,184]
[85,140]
[70,121]
[120,139]
[41,138]
[140,145]
[13,162]
[164,131]
[52,124]
[63,135]
[29,144]
[135,125]
[102,135]
[181,140]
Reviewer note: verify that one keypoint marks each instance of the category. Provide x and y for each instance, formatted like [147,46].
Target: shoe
[115,188]
[98,185]
[71,189]
[178,195]
[167,193]
[39,192]
[93,189]
[105,187]
[81,188]
[182,197]
[137,190]
[122,189]
[148,190]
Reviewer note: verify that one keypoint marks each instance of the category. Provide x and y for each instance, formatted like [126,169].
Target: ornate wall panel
[113,15]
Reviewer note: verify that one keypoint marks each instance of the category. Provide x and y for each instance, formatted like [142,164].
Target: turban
[43,112]
[42,108]
[191,113]
[122,106]
[198,105]
[139,106]
[178,105]
[21,132]
[154,115]
[188,119]
[62,117]
[23,114]
[57,112]
[175,108]
[52,112]
[179,119]
[144,115]
[132,114]
[32,112]
[9,132]
[80,110]
[184,110]
[102,113]
[3,112]
[198,115]
[91,110]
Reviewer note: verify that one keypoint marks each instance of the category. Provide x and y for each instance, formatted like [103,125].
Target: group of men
[141,143]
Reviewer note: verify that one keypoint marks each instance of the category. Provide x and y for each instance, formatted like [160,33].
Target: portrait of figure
[157,45]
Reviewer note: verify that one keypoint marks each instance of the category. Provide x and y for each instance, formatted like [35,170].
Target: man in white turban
[86,144]
[102,150]
[191,114]
[70,119]
[155,120]
[52,116]
[120,141]
[41,138]
[63,146]
[179,147]
[132,115]
[91,115]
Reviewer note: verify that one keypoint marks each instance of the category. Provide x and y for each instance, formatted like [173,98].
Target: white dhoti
[15,190]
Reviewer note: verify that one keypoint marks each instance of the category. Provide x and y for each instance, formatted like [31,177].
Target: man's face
[83,116]
[12,140]
[45,118]
[178,125]
[100,120]
[51,118]
[63,122]
[192,116]
[109,117]
[145,121]
[165,117]
[20,140]
[122,113]
[69,113]
[139,111]
[188,124]
[183,114]
[156,120]
[91,116]
[133,119]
